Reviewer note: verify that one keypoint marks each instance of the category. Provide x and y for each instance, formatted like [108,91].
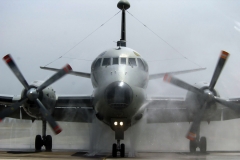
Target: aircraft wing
[73,109]
[75,101]
[7,101]
[166,110]
[229,113]
[68,108]
[174,109]
[161,75]
[81,74]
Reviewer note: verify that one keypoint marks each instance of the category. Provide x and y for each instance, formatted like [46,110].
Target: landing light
[115,123]
[121,123]
[121,84]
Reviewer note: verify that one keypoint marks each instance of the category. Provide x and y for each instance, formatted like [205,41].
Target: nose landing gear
[118,148]
[119,125]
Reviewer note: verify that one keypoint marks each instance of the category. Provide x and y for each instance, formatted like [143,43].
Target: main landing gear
[44,140]
[202,144]
[118,148]
[199,142]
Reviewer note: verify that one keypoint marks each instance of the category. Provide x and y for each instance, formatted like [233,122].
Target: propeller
[207,95]
[32,94]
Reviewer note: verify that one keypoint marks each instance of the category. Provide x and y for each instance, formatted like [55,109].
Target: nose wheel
[118,148]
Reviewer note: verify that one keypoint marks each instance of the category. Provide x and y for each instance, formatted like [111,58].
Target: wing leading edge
[161,75]
[81,74]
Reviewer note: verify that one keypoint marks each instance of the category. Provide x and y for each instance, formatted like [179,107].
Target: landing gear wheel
[38,143]
[192,146]
[48,143]
[114,150]
[203,144]
[122,150]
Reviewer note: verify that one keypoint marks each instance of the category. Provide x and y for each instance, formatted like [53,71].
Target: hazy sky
[38,32]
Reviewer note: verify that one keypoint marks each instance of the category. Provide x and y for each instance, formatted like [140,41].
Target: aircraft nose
[119,95]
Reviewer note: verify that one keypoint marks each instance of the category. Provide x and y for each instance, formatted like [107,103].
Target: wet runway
[155,141]
[63,155]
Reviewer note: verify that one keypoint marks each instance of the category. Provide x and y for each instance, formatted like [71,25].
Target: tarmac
[64,154]
[152,141]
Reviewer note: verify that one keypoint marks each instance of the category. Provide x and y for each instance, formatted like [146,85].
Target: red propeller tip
[0,120]
[167,78]
[224,54]
[67,68]
[57,130]
[7,58]
[191,136]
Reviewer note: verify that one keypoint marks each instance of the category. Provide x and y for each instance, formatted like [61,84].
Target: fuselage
[119,77]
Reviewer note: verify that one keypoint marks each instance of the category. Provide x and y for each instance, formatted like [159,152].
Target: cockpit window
[140,64]
[106,62]
[123,60]
[115,61]
[97,63]
[132,62]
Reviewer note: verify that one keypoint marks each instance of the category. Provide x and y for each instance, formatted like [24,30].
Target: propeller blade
[12,65]
[192,133]
[173,80]
[222,60]
[8,111]
[55,77]
[55,127]
[231,105]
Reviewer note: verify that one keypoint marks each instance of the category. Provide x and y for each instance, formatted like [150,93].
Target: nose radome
[119,95]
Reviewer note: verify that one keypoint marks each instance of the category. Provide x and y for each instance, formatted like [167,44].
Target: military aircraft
[119,77]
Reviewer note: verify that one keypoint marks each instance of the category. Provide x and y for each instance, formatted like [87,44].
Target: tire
[48,143]
[122,150]
[203,144]
[114,150]
[192,146]
[38,143]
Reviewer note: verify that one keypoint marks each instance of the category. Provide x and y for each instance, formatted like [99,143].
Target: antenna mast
[123,5]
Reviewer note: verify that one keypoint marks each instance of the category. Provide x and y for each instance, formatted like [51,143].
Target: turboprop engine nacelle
[194,101]
[47,96]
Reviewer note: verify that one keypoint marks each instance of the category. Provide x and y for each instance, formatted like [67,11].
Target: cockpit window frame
[125,61]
